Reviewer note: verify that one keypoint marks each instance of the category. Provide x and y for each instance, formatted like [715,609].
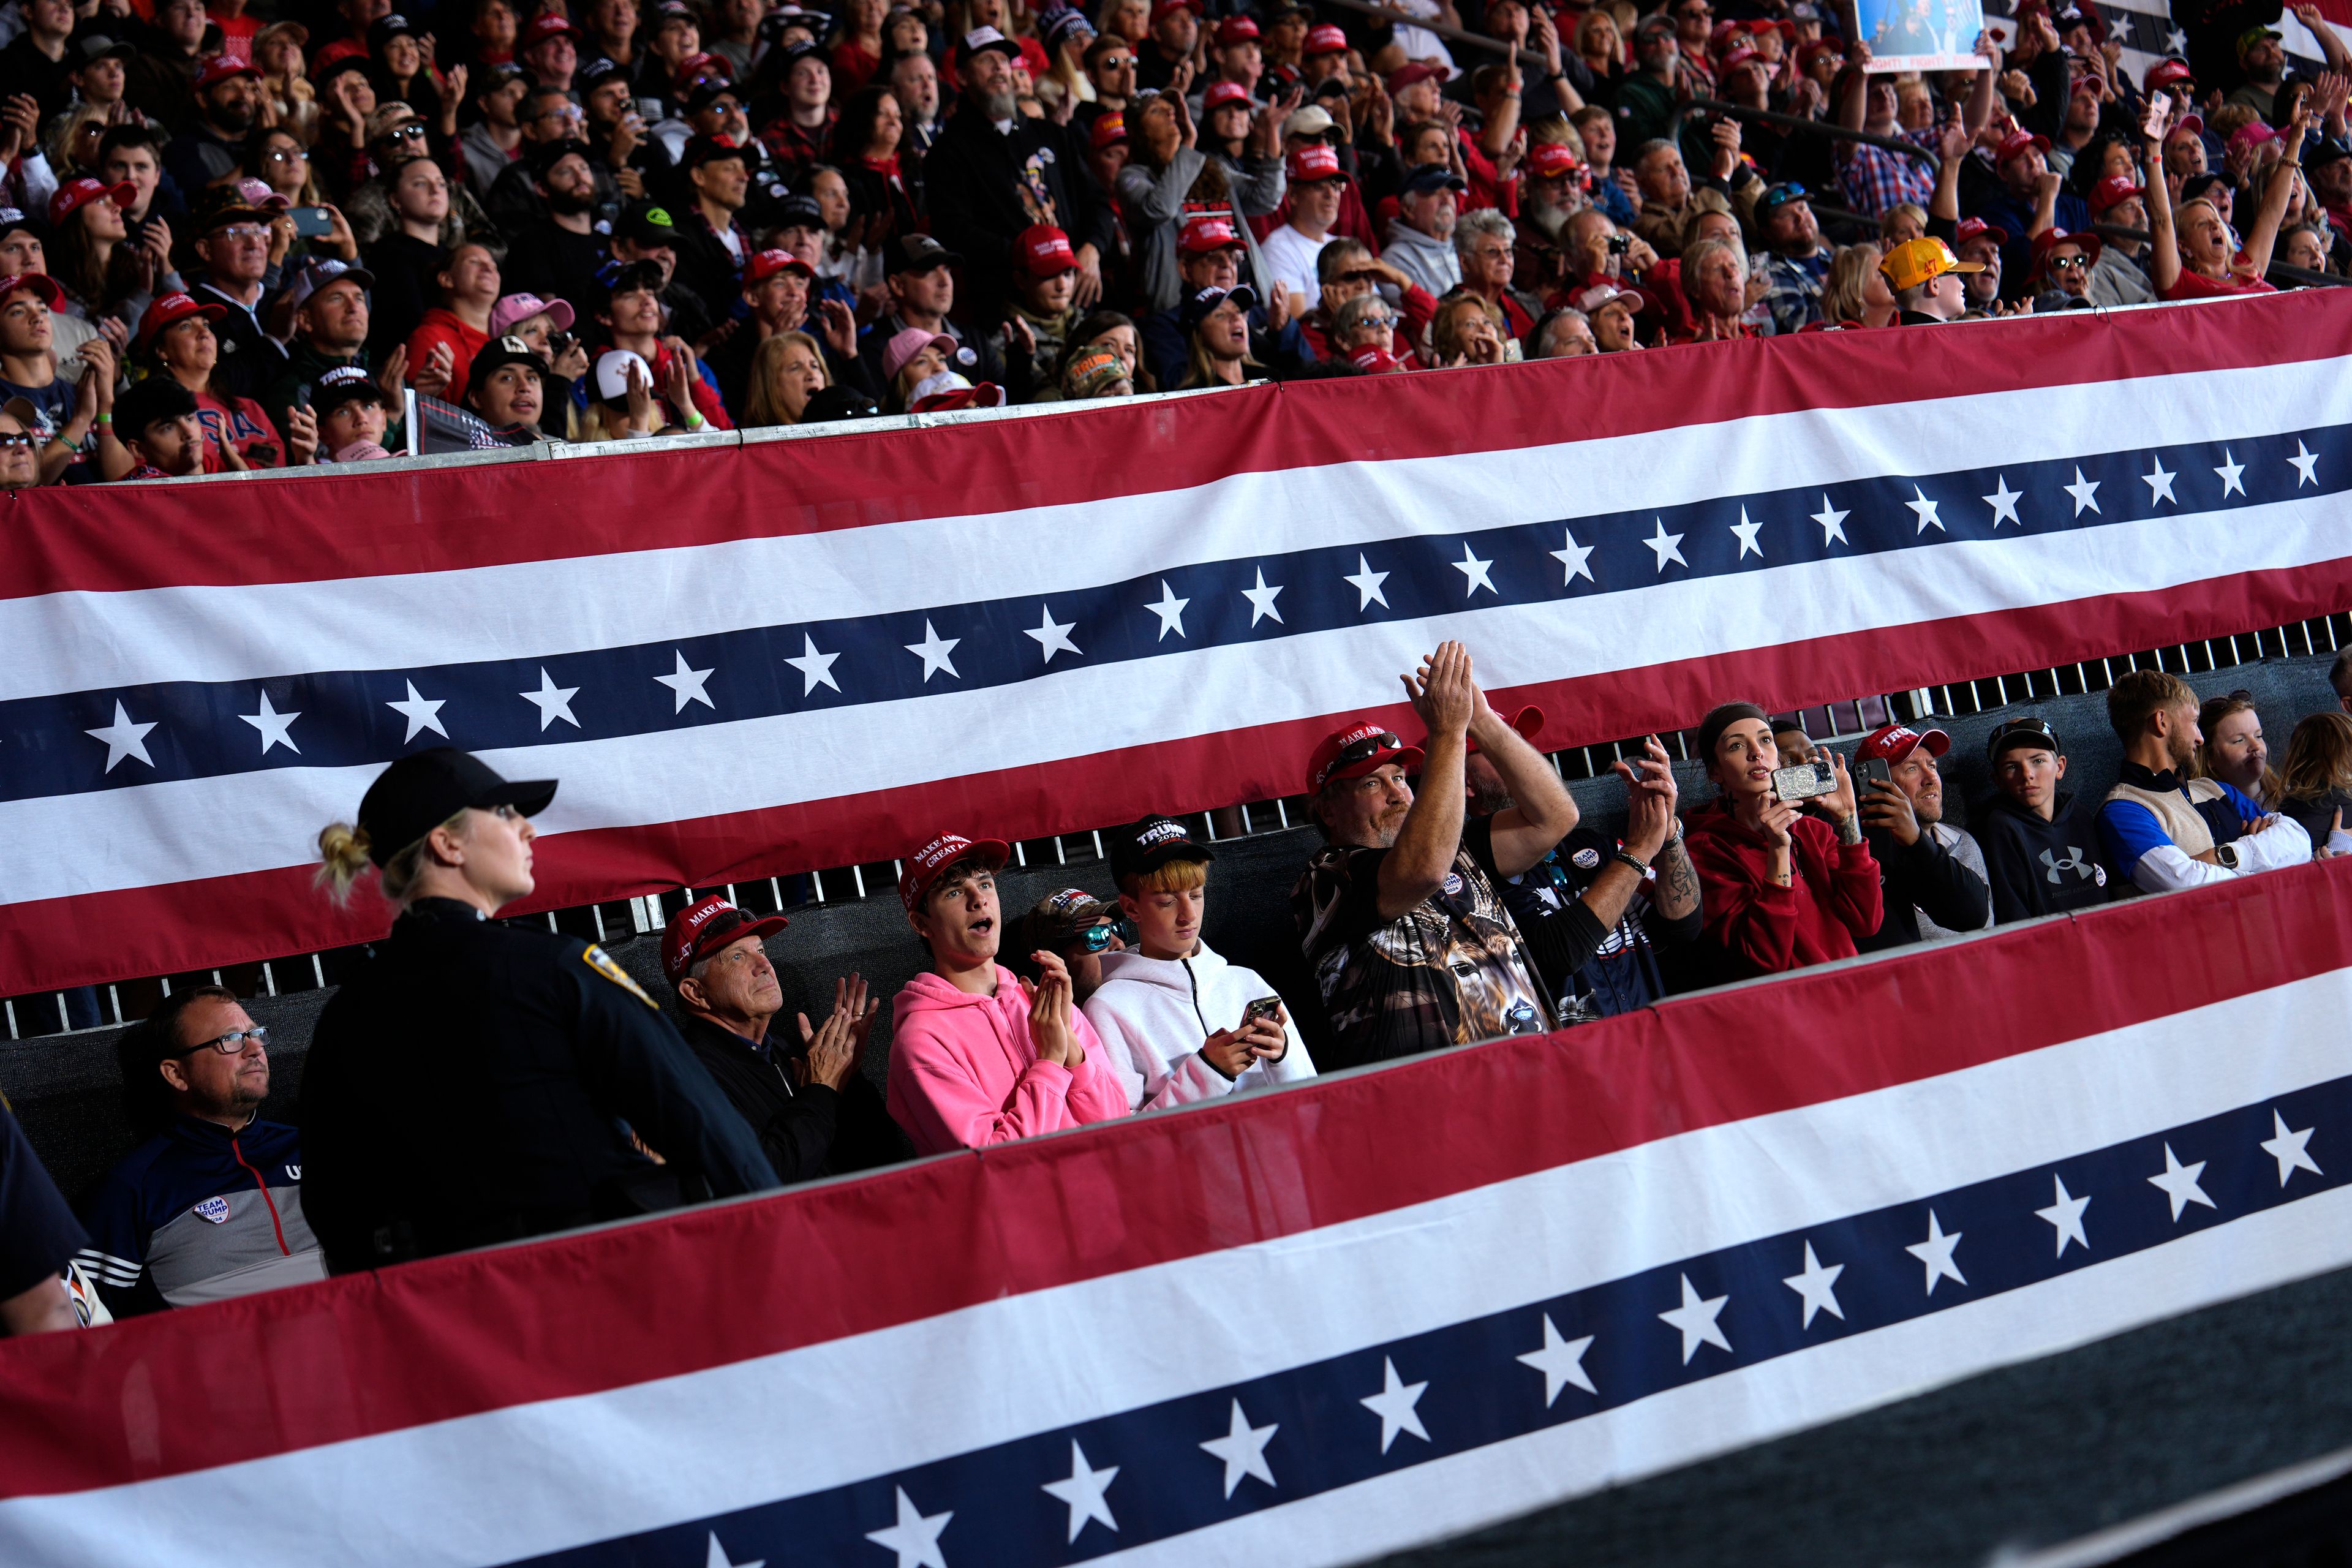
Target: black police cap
[425,789]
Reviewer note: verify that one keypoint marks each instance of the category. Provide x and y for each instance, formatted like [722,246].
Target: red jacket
[1763,928]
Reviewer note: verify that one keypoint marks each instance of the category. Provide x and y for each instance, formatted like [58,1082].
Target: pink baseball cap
[514,309]
[899,351]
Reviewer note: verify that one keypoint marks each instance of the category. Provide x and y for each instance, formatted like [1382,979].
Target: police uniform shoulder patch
[601,962]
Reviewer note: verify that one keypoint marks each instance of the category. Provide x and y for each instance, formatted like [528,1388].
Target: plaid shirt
[1874,179]
[1794,297]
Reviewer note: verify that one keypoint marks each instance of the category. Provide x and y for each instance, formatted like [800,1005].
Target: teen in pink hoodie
[975,1057]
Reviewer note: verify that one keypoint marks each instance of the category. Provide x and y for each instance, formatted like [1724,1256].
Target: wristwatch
[2226,857]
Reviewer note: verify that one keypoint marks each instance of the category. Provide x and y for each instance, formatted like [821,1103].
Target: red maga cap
[705,926]
[1203,235]
[1316,160]
[1324,39]
[1354,750]
[922,868]
[1044,251]
[1528,721]
[1895,741]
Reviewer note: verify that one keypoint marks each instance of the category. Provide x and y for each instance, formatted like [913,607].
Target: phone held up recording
[1806,781]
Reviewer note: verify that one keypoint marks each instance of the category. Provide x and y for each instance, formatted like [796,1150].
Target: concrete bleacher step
[67,1089]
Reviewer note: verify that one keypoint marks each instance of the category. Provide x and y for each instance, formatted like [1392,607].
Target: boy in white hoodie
[1173,1017]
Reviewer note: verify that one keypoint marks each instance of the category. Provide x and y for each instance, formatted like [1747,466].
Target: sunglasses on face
[1096,938]
[2070,264]
[10,440]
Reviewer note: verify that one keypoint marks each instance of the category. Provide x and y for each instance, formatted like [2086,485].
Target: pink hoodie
[963,1073]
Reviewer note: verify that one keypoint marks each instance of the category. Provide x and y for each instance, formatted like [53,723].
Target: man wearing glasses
[232,247]
[1398,914]
[210,1207]
[1110,68]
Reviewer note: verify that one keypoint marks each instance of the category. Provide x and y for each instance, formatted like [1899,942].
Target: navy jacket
[200,1213]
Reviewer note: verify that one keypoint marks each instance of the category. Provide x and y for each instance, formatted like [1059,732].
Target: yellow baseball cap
[1918,261]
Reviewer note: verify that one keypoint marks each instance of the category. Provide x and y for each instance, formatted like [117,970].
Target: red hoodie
[1766,929]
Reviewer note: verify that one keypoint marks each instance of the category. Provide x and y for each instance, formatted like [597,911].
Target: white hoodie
[1154,1014]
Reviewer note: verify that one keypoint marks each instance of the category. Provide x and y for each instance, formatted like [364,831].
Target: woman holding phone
[1780,888]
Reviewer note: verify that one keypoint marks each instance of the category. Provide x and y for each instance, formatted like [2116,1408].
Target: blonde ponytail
[343,856]
[344,853]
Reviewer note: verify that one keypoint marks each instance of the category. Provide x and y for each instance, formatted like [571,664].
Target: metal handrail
[1799,122]
[1450,34]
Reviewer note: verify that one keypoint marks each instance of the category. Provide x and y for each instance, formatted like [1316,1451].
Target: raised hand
[1444,694]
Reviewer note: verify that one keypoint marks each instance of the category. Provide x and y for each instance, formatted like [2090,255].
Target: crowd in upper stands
[236,240]
[1456,898]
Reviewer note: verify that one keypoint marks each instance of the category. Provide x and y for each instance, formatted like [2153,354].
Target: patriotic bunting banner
[1301,1327]
[783,654]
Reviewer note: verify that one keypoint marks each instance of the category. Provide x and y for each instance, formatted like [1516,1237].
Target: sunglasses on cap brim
[2019,730]
[1358,751]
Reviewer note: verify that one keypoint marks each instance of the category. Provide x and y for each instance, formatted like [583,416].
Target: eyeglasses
[232,1042]
[1117,62]
[413,131]
[288,156]
[1386,322]
[12,439]
[2070,264]
[242,231]
[1356,751]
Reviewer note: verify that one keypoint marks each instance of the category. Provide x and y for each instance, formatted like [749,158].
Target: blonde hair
[1901,212]
[1174,877]
[1849,271]
[761,408]
[343,855]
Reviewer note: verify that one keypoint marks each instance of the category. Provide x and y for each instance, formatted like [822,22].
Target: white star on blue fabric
[915,1537]
[1924,509]
[1261,599]
[2286,1148]
[1573,557]
[1697,1320]
[2003,501]
[1561,1360]
[1170,610]
[553,701]
[2065,1214]
[124,739]
[2084,491]
[1669,546]
[1083,1491]
[422,713]
[273,726]
[2159,483]
[686,683]
[719,1557]
[1243,1448]
[1936,1252]
[1818,1286]
[1052,637]
[1394,1405]
[2229,472]
[2175,42]
[1367,584]
[1746,532]
[817,669]
[2305,464]
[1833,523]
[933,651]
[1474,571]
[2179,1182]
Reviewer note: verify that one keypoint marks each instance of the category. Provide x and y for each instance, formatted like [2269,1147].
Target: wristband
[105,419]
[695,422]
[1640,866]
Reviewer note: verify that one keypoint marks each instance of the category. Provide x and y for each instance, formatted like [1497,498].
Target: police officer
[480,1082]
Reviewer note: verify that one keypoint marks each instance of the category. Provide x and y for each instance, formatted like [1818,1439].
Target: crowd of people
[235,241]
[1456,898]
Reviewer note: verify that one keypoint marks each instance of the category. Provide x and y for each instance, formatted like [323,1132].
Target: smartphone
[649,110]
[2159,111]
[1804,781]
[312,223]
[1875,771]
[1264,1008]
[302,395]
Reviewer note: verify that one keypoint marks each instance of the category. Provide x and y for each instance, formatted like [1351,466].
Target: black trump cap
[425,789]
[1144,846]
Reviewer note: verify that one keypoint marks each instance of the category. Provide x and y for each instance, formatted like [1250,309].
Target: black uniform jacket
[480,1082]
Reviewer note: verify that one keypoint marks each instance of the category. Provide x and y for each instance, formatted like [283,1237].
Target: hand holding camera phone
[1806,781]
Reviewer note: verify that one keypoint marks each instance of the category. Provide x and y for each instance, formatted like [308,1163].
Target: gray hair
[1551,326]
[1471,225]
[1351,314]
[1655,145]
